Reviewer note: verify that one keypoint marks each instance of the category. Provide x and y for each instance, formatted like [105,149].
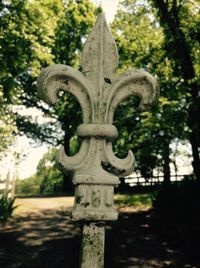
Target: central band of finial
[97,130]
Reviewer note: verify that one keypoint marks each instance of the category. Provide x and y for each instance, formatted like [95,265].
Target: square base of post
[94,202]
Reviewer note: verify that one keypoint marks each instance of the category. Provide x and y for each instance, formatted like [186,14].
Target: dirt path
[37,204]
[41,235]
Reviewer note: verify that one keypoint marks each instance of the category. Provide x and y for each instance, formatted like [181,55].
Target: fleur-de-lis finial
[99,90]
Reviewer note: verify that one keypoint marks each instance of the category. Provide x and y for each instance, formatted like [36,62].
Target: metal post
[92,248]
[96,169]
[7,186]
[13,186]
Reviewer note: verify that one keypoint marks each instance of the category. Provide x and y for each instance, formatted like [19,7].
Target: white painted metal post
[12,195]
[96,169]
[7,185]
[92,248]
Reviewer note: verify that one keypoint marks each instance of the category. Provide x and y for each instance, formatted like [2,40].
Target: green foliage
[25,47]
[29,186]
[73,26]
[135,200]
[180,23]
[6,207]
[137,34]
[34,34]
[7,130]
[25,42]
[47,180]
[48,175]
[143,43]
[139,47]
[176,212]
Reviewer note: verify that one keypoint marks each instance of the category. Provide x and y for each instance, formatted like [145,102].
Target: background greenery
[159,36]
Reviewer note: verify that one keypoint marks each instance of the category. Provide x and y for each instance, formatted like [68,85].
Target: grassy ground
[134,200]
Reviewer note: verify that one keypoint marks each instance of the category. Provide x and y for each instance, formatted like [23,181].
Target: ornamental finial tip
[101,16]
[95,61]
[99,91]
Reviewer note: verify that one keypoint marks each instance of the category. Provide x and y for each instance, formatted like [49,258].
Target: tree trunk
[68,186]
[166,162]
[122,185]
[195,154]
[169,17]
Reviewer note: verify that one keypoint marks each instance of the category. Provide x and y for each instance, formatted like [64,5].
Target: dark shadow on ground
[131,242]
[50,240]
[46,239]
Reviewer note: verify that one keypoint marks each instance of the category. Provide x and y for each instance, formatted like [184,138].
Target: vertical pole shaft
[13,187]
[7,186]
[92,248]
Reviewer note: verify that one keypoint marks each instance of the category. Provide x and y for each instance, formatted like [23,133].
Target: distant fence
[137,181]
[7,185]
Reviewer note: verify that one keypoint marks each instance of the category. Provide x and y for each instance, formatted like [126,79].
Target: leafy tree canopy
[35,34]
[142,43]
[160,36]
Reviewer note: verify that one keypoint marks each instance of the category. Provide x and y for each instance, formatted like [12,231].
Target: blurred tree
[7,128]
[25,46]
[27,187]
[47,179]
[50,177]
[141,44]
[35,34]
[181,24]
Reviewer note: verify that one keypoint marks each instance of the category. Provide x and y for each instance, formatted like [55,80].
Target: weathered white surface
[96,169]
[94,202]
[99,91]
[92,255]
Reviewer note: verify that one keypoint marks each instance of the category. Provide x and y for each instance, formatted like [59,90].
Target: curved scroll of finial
[100,56]
[74,162]
[62,77]
[133,82]
[120,167]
